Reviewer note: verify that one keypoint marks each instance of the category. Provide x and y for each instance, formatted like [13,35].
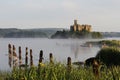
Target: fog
[61,49]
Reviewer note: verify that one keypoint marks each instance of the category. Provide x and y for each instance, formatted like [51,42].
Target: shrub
[109,56]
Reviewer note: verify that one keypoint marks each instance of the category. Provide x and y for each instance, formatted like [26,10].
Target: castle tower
[75,22]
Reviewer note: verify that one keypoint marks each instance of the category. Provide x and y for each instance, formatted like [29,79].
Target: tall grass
[59,71]
[4,75]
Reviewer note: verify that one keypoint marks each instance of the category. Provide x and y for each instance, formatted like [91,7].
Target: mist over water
[61,49]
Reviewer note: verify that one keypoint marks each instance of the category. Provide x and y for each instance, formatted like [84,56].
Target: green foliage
[115,43]
[109,43]
[4,75]
[76,34]
[89,61]
[23,33]
[59,71]
[61,34]
[109,55]
[96,35]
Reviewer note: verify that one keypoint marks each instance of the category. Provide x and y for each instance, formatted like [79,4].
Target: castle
[78,27]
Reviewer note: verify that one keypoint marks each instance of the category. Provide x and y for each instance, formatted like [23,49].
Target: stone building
[78,27]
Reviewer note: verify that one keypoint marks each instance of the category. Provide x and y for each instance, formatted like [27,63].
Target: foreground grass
[59,71]
[4,75]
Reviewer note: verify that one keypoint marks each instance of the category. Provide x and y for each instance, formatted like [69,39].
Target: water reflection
[77,50]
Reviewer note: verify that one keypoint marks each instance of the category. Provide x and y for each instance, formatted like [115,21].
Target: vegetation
[77,34]
[96,35]
[110,34]
[26,33]
[109,43]
[59,71]
[110,52]
[60,34]
[53,33]
[109,56]
[115,43]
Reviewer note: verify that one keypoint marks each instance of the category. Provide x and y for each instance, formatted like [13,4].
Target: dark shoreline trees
[77,34]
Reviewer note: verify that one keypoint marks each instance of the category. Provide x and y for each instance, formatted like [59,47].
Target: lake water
[61,49]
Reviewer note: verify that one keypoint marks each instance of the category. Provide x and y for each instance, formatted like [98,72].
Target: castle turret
[75,22]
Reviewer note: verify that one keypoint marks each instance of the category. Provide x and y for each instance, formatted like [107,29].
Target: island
[77,31]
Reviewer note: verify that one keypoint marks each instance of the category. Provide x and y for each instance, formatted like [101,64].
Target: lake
[61,49]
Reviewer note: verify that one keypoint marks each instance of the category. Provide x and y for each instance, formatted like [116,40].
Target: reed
[26,57]
[20,56]
[15,57]
[10,55]
[51,58]
[69,66]
[41,56]
[96,68]
[31,58]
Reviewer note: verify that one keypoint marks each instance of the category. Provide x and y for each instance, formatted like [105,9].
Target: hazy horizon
[103,15]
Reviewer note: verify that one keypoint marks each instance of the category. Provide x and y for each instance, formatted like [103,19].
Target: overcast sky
[103,15]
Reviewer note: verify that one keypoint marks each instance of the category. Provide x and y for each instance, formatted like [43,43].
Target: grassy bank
[4,75]
[109,43]
[59,71]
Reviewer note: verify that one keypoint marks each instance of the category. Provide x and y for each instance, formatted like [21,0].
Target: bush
[109,56]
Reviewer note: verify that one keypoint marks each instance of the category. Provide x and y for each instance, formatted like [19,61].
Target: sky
[103,15]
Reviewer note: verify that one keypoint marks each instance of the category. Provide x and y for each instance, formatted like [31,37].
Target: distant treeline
[28,33]
[77,34]
[84,34]
[110,34]
[52,33]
